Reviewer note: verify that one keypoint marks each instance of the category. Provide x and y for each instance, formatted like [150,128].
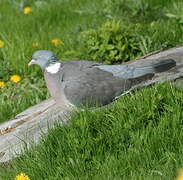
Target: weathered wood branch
[31,124]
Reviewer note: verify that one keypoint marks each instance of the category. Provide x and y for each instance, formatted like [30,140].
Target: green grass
[140,137]
[66,20]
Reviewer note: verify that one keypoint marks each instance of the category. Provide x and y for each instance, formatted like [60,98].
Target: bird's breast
[56,88]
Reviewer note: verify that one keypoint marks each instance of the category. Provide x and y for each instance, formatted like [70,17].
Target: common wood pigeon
[89,83]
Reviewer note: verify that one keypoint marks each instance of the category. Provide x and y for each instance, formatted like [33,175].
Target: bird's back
[85,84]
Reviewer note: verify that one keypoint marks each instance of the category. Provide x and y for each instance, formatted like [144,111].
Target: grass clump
[15,97]
[111,43]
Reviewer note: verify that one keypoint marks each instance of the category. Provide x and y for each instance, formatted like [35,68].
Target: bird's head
[43,58]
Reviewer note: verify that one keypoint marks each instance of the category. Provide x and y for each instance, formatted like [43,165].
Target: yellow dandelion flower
[1,43]
[22,176]
[180,175]
[27,10]
[15,78]
[35,44]
[56,42]
[2,83]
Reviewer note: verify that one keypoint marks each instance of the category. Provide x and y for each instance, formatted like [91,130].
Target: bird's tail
[164,65]
[147,72]
[161,66]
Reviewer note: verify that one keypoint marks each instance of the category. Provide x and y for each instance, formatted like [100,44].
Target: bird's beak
[32,62]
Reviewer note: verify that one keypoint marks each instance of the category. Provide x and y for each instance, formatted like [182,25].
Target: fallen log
[29,126]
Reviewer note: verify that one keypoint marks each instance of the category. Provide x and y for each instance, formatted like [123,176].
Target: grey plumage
[82,82]
[129,72]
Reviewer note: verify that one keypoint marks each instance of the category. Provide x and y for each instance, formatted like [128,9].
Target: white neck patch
[53,68]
